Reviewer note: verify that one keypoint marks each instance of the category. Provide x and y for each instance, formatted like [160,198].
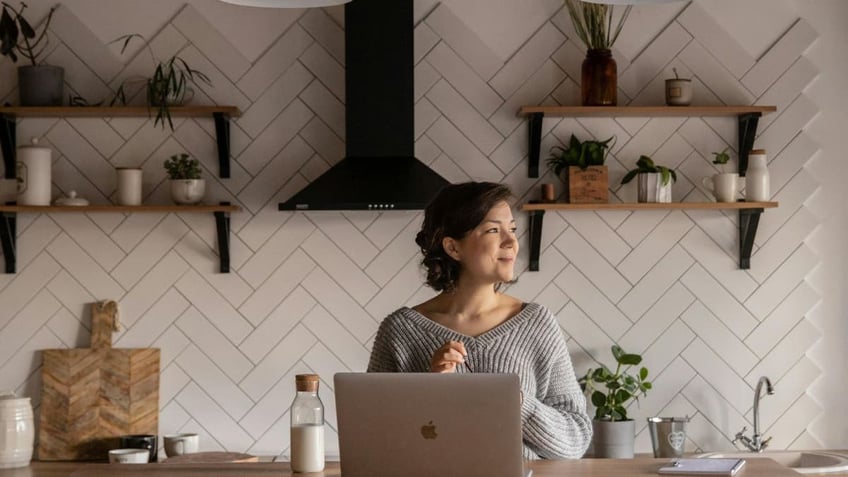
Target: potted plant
[581,166]
[678,91]
[187,188]
[167,86]
[610,392]
[654,181]
[724,186]
[593,23]
[38,84]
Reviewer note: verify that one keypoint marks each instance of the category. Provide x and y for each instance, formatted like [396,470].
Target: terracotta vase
[599,82]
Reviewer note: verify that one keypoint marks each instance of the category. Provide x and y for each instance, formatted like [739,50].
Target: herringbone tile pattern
[308,289]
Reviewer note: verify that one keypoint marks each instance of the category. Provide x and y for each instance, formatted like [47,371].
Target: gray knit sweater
[530,344]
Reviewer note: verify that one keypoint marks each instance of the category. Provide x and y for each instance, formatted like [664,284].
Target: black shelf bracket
[747,132]
[749,219]
[536,218]
[8,234]
[222,135]
[7,144]
[222,223]
[535,125]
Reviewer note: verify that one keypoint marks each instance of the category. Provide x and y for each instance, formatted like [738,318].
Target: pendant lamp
[286,3]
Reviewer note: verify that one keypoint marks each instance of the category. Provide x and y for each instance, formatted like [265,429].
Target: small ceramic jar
[17,431]
[678,92]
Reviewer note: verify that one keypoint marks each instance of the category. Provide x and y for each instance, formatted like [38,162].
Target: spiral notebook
[703,466]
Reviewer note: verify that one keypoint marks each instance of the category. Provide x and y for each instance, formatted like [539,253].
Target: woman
[469,247]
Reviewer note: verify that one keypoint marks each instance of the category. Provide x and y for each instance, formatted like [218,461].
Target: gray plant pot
[613,440]
[41,85]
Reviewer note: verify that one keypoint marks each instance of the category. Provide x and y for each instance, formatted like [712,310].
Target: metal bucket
[668,435]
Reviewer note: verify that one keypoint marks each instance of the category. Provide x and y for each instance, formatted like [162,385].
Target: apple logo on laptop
[429,431]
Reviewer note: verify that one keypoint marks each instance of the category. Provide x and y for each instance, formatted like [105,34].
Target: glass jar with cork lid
[307,426]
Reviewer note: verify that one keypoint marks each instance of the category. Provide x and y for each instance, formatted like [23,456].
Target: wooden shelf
[749,219]
[646,111]
[9,215]
[9,115]
[747,117]
[650,206]
[113,111]
[118,208]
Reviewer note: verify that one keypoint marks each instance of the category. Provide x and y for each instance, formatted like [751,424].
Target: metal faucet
[755,443]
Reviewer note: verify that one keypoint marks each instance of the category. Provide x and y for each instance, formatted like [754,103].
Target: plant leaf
[630,359]
[629,176]
[598,399]
[643,373]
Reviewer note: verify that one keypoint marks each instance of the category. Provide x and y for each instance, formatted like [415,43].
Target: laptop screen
[424,424]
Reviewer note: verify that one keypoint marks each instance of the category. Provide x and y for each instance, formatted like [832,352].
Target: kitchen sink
[803,462]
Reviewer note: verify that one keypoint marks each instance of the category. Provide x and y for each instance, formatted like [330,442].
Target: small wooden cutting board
[90,396]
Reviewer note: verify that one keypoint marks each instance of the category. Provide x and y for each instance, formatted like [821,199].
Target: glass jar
[307,426]
[599,82]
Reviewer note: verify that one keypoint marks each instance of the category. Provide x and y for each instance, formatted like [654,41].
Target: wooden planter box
[587,186]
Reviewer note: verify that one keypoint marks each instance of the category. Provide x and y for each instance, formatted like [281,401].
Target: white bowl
[129,456]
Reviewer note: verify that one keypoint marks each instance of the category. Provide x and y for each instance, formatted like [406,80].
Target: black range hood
[379,171]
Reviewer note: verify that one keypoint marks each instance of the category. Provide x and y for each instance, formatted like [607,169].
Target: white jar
[33,171]
[757,177]
[129,186]
[17,431]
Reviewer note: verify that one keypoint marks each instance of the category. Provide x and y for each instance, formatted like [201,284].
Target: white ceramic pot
[651,189]
[129,185]
[33,171]
[187,191]
[17,431]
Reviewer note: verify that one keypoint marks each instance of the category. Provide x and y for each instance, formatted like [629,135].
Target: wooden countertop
[588,467]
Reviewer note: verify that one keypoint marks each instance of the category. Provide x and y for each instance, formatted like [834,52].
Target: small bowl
[129,456]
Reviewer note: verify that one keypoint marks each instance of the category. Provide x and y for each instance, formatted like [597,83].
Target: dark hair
[455,211]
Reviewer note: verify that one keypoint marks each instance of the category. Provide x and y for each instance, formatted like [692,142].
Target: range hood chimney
[379,171]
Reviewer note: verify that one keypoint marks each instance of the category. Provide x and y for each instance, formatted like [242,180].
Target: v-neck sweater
[554,421]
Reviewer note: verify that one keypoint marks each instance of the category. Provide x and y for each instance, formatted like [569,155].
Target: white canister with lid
[757,177]
[33,171]
[17,431]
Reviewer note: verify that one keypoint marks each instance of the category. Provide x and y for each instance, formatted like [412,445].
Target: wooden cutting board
[91,396]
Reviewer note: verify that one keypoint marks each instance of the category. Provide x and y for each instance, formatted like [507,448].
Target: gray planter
[613,440]
[41,85]
[651,188]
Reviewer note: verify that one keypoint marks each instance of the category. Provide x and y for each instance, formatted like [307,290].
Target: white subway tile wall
[308,290]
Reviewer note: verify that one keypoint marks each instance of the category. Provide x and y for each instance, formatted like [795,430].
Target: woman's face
[487,254]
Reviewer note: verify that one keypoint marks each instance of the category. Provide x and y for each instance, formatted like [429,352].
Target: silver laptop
[425,424]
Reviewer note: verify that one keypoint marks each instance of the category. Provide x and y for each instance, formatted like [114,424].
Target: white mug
[129,185]
[179,444]
[129,456]
[724,187]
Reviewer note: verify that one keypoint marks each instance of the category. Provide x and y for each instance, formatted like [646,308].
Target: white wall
[308,290]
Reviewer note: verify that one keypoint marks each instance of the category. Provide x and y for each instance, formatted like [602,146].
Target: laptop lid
[425,424]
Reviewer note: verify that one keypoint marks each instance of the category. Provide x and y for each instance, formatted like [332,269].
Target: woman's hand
[448,357]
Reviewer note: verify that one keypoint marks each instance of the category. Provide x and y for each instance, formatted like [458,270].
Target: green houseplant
[38,84]
[581,165]
[654,180]
[167,86]
[598,26]
[610,392]
[187,188]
